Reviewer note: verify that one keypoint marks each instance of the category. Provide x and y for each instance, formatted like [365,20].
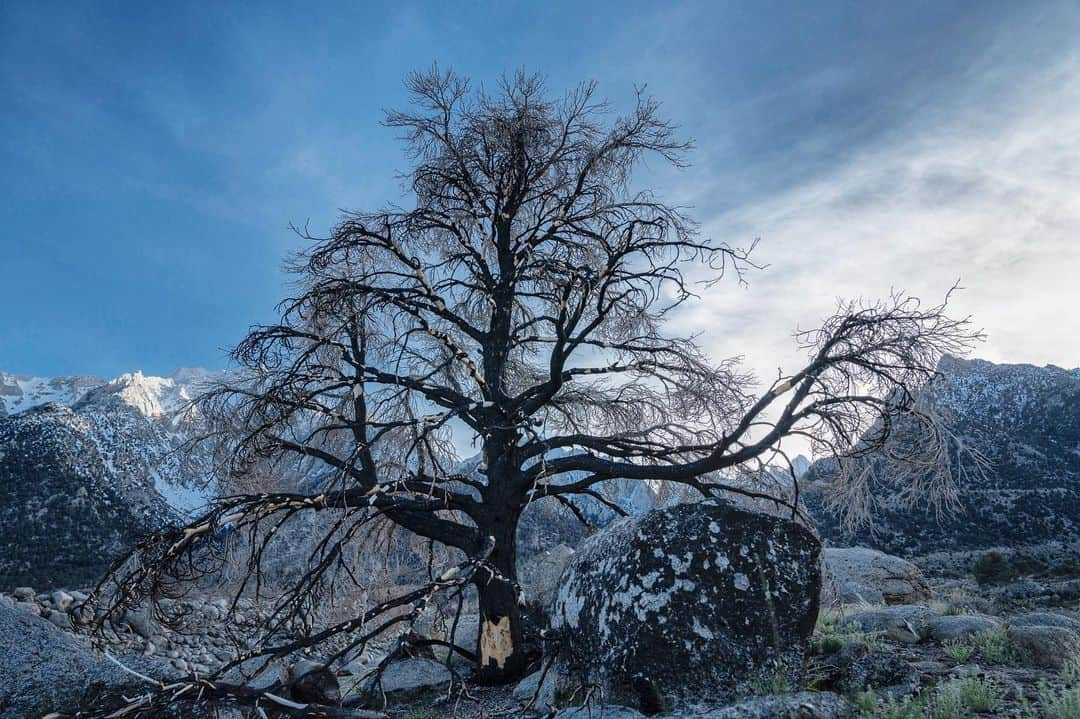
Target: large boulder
[1044,646]
[1045,619]
[949,628]
[859,574]
[906,620]
[43,670]
[690,603]
[407,679]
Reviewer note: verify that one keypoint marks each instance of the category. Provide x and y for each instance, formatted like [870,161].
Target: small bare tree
[522,302]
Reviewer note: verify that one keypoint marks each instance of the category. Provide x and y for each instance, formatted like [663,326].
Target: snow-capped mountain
[1026,421]
[19,392]
[87,465]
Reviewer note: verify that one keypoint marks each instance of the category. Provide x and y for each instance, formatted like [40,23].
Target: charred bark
[501,648]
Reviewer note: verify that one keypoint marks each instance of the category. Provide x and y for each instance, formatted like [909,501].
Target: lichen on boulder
[690,603]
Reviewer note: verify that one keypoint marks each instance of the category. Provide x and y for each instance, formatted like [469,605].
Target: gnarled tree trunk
[500,646]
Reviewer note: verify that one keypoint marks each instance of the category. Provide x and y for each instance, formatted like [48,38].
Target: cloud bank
[986,192]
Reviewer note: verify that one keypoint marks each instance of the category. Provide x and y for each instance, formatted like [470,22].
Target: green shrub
[1059,703]
[993,567]
[947,704]
[956,699]
[871,706]
[826,644]
[829,620]
[958,650]
[777,684]
[978,694]
[1070,672]
[1024,565]
[866,702]
[994,646]
[834,631]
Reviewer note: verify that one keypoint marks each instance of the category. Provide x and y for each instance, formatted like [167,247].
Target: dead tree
[521,302]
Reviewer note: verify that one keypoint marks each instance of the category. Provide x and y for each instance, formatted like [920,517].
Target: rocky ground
[1007,650]
[202,642]
[999,640]
[957,649]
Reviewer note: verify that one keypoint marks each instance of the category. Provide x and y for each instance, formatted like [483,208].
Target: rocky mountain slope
[87,465]
[1026,420]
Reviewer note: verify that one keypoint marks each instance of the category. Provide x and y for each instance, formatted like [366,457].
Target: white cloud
[986,191]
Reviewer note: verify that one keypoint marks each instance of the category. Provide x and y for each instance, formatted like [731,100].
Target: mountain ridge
[88,465]
[1025,419]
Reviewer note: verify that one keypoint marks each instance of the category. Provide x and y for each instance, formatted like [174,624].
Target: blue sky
[152,158]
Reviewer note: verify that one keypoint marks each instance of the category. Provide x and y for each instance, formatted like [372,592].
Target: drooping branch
[868,365]
[222,689]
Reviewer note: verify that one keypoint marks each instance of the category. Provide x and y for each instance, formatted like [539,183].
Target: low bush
[992,568]
[1061,703]
[871,706]
[1070,672]
[947,704]
[994,646]
[978,694]
[958,650]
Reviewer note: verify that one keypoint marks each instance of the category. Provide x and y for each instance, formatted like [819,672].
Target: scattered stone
[1046,647]
[861,575]
[24,594]
[61,620]
[140,622]
[855,668]
[947,628]
[911,618]
[600,711]
[798,705]
[1045,619]
[61,600]
[543,691]
[409,678]
[694,602]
